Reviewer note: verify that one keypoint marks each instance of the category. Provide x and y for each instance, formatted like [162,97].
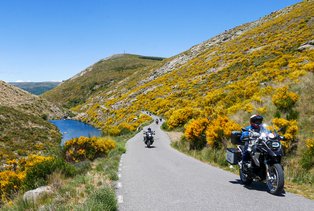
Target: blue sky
[52,40]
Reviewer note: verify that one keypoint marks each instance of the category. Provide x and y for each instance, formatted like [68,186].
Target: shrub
[307,160]
[10,183]
[195,133]
[37,174]
[289,129]
[181,116]
[29,173]
[79,149]
[284,100]
[114,131]
[219,131]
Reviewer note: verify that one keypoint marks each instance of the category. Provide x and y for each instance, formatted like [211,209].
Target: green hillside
[24,134]
[36,88]
[24,126]
[103,75]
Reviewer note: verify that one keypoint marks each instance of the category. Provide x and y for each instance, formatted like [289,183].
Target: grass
[90,189]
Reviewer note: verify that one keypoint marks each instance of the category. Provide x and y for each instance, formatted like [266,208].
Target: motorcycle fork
[267,172]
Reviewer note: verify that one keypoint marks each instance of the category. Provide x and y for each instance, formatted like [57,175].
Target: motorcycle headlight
[275,144]
[271,135]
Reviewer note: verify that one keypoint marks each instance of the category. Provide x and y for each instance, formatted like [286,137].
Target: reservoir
[73,129]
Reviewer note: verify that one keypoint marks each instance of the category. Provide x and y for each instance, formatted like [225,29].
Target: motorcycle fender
[271,153]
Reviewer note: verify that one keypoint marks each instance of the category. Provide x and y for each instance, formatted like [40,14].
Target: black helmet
[149,129]
[256,120]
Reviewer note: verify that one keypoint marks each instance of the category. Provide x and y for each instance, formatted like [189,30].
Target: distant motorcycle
[157,121]
[265,159]
[149,138]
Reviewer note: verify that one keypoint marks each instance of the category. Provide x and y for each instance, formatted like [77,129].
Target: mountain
[100,77]
[36,88]
[236,71]
[264,67]
[24,128]
[19,99]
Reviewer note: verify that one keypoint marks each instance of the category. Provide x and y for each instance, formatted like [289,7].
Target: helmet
[149,129]
[256,120]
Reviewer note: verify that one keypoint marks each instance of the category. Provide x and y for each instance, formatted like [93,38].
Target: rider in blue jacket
[256,122]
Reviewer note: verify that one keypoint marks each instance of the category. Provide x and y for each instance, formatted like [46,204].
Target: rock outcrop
[33,196]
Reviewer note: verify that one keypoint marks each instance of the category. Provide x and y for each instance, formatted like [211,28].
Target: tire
[275,183]
[148,144]
[245,179]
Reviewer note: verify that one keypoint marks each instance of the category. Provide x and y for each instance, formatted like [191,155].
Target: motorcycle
[148,138]
[265,158]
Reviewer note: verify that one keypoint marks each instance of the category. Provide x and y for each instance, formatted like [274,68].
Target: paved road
[162,178]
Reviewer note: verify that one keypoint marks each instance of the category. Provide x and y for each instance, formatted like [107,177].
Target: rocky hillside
[19,99]
[236,71]
[24,128]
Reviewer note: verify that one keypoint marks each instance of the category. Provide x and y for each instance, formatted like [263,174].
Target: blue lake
[74,129]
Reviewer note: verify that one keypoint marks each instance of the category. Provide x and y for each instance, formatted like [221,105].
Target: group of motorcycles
[264,164]
[265,153]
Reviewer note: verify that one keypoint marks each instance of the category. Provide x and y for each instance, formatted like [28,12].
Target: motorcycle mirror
[243,129]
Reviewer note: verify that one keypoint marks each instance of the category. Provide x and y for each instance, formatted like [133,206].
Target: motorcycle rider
[149,130]
[255,125]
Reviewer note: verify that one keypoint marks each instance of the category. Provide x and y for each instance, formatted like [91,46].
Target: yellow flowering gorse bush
[195,132]
[13,177]
[181,116]
[82,148]
[289,130]
[219,130]
[284,99]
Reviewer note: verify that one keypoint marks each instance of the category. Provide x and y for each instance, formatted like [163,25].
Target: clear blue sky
[49,40]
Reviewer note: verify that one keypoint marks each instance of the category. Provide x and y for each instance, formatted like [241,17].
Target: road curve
[161,178]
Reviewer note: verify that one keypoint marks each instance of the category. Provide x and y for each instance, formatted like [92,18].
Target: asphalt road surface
[161,178]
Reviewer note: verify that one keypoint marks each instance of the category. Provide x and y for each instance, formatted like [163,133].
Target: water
[73,129]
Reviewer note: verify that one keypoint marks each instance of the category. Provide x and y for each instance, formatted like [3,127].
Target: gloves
[245,135]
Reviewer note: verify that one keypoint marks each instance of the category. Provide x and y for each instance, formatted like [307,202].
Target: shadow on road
[151,147]
[259,186]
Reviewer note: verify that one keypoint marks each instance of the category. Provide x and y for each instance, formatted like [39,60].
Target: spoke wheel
[275,180]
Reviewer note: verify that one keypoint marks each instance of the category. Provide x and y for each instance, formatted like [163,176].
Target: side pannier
[233,156]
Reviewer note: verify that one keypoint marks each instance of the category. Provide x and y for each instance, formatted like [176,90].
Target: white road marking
[119,175]
[119,185]
[120,199]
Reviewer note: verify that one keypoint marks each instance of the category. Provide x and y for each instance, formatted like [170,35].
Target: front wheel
[275,180]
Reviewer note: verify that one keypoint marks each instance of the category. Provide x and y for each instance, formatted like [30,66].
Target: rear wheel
[275,180]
